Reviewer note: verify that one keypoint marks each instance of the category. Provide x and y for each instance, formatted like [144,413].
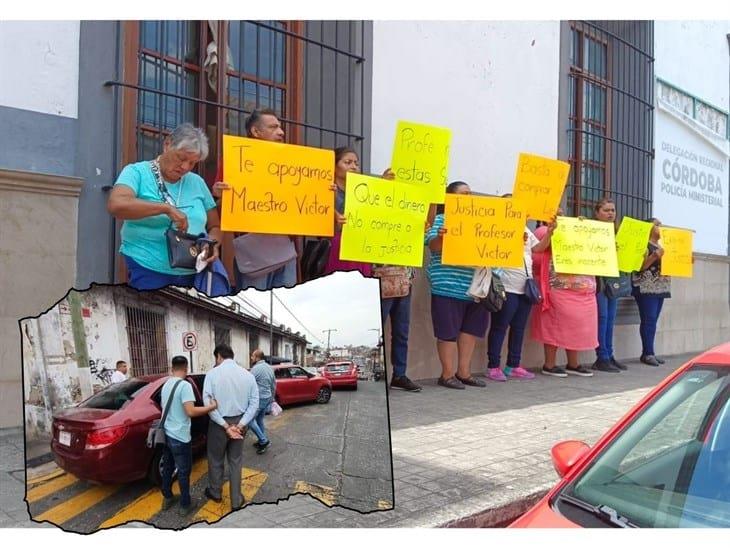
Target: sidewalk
[477,457]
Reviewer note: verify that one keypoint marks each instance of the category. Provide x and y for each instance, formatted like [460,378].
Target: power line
[297,319]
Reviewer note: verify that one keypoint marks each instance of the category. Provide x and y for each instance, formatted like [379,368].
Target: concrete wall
[696,318]
[693,56]
[38,251]
[494,84]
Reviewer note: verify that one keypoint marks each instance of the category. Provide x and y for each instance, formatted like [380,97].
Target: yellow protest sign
[483,231]
[421,155]
[277,188]
[584,247]
[677,258]
[631,240]
[385,221]
[539,184]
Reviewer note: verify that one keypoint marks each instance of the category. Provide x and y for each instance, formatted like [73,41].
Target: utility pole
[271,323]
[328,331]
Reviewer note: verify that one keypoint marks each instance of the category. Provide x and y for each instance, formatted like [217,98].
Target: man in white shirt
[237,395]
[121,373]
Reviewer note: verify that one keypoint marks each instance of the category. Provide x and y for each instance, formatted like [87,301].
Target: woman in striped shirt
[457,320]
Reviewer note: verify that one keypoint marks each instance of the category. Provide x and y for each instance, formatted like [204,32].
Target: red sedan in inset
[294,385]
[665,464]
[341,374]
[103,439]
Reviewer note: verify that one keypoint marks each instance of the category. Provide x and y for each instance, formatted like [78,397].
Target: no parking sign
[190,341]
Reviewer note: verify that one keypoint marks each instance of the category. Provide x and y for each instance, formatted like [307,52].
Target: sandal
[452,382]
[471,381]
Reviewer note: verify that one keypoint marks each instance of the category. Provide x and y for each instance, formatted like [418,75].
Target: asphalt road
[338,453]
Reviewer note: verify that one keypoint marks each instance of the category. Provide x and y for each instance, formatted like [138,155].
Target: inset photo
[172,408]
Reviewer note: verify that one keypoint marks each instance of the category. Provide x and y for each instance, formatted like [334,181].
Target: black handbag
[532,290]
[183,248]
[494,301]
[156,433]
[615,288]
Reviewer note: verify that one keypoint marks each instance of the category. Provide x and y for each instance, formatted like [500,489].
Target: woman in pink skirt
[567,317]
[346,161]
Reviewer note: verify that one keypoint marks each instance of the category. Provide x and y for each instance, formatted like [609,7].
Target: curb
[39,460]
[500,516]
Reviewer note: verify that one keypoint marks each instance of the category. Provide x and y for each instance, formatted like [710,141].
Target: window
[147,342]
[222,334]
[282,373]
[114,396]
[214,73]
[253,340]
[670,467]
[610,116]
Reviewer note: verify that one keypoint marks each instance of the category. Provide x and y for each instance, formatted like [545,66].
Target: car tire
[324,395]
[154,474]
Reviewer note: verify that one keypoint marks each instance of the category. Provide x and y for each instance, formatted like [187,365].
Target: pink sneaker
[520,372]
[496,374]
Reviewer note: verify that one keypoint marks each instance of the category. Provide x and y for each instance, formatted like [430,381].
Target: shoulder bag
[260,254]
[156,433]
[532,290]
[395,281]
[487,288]
[615,288]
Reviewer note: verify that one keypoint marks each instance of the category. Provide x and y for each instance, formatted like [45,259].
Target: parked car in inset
[666,463]
[294,384]
[343,373]
[104,438]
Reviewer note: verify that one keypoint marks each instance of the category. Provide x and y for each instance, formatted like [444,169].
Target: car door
[305,389]
[198,425]
[285,389]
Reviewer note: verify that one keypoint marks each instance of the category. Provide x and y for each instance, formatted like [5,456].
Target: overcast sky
[344,301]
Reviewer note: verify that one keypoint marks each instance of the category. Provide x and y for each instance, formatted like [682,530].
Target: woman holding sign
[514,313]
[457,320]
[650,290]
[567,317]
[154,196]
[605,210]
[346,161]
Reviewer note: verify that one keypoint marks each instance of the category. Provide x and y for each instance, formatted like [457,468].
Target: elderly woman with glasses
[151,196]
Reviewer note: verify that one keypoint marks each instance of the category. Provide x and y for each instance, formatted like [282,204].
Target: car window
[282,373]
[671,466]
[115,395]
[339,368]
[297,372]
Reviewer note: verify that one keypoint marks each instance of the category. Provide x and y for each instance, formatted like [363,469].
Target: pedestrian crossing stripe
[32,482]
[251,482]
[150,503]
[53,485]
[324,494]
[74,506]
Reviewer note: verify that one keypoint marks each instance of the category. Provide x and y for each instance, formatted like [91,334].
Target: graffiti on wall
[100,370]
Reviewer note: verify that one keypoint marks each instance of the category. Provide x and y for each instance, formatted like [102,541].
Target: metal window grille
[310,72]
[147,342]
[611,116]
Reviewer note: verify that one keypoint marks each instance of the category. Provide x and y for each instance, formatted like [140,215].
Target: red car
[295,385]
[341,374]
[665,464]
[103,439]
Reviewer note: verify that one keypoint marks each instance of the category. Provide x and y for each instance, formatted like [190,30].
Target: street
[338,453]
